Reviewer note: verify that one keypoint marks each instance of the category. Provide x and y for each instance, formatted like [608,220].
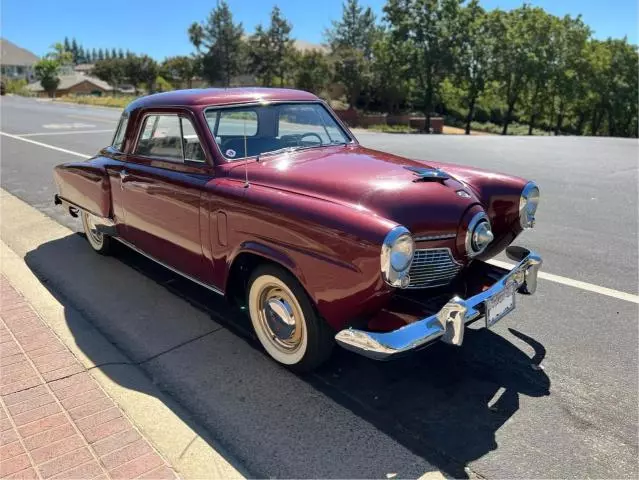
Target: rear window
[161,137]
[118,139]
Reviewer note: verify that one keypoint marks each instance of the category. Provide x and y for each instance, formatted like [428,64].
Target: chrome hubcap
[280,318]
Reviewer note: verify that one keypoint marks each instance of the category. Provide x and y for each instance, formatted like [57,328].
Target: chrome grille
[433,267]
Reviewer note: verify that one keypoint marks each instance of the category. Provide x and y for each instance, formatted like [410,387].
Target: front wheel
[100,242]
[285,320]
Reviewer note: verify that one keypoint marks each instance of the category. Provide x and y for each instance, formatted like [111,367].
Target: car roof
[220,96]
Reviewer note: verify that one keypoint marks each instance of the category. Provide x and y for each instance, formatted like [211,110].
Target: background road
[482,406]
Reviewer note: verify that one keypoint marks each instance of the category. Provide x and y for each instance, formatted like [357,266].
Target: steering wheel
[309,134]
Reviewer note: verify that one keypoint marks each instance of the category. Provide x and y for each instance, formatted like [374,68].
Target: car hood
[368,180]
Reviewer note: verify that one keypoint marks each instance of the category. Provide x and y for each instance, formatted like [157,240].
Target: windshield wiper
[296,148]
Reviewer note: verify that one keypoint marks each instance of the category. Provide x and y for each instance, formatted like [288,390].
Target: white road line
[609,292]
[45,145]
[69,132]
[589,287]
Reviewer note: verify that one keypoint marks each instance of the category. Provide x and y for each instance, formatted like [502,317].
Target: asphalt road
[482,409]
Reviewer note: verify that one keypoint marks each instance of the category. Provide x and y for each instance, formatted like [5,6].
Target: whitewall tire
[285,321]
[100,242]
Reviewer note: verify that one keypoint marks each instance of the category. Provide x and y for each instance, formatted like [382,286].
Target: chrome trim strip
[58,200]
[174,270]
[430,238]
[448,323]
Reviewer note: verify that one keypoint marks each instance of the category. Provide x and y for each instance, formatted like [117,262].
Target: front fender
[499,195]
[333,250]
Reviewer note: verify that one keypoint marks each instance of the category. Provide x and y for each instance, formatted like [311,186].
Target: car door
[162,185]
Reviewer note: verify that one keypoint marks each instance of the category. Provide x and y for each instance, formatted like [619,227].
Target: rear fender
[85,184]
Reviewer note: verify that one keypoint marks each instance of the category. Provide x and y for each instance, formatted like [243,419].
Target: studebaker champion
[266,197]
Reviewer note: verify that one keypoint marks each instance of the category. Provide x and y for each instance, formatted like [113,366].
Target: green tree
[219,44]
[570,73]
[270,51]
[427,29]
[355,30]
[179,70]
[473,56]
[75,51]
[120,53]
[46,70]
[111,71]
[67,44]
[60,55]
[351,40]
[391,82]
[312,71]
[94,55]
[138,70]
[518,53]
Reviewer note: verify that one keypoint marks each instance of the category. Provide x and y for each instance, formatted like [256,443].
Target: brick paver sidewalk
[55,420]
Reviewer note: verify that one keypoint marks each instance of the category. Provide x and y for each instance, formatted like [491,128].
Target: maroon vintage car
[264,196]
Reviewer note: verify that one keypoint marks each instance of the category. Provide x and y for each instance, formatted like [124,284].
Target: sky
[158,27]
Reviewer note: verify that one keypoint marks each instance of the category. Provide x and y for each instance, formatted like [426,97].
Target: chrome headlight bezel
[528,204]
[478,221]
[394,273]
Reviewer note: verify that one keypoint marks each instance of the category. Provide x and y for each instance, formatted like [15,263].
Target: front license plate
[500,305]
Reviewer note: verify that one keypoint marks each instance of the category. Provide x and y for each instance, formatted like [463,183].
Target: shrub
[105,101]
[392,128]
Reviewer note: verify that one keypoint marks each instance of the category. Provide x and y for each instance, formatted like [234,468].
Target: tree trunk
[509,115]
[429,103]
[531,124]
[581,123]
[560,118]
[471,112]
[612,127]
[596,122]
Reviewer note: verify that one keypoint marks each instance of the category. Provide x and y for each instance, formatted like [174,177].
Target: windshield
[242,132]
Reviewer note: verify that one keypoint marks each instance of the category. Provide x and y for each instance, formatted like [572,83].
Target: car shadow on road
[443,405]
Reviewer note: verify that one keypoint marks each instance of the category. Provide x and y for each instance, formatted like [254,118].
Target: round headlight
[528,203]
[478,235]
[396,256]
[402,253]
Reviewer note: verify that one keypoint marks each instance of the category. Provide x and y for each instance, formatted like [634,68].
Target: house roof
[68,81]
[220,96]
[11,54]
[84,67]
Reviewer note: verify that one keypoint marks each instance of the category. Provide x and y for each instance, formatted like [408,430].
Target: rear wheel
[100,242]
[285,321]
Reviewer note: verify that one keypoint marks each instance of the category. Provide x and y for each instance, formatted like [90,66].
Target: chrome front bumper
[447,324]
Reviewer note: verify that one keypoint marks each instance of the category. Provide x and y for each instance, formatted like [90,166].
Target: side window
[118,139]
[237,123]
[193,151]
[161,137]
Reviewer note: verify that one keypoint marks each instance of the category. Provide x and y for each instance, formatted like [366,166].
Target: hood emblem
[428,174]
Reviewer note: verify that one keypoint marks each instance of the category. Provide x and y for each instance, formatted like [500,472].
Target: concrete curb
[190,452]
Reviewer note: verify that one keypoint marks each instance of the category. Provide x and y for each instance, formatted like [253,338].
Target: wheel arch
[248,257]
